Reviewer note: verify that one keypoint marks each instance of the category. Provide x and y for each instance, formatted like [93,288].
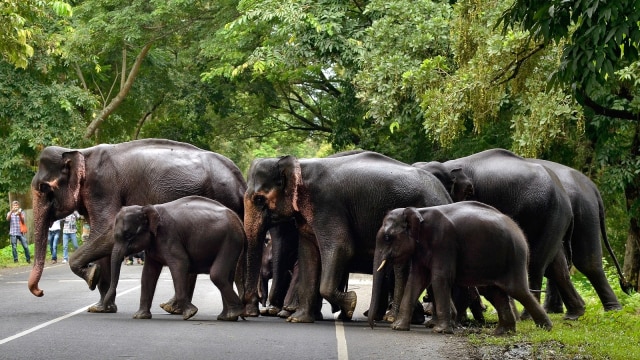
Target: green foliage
[23,23]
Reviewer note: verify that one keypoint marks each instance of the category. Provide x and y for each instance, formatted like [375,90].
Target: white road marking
[51,322]
[341,340]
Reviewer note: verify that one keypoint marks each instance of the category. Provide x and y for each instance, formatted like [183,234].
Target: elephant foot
[93,276]
[301,317]
[573,314]
[503,330]
[251,310]
[545,324]
[189,311]
[389,316]
[612,306]
[231,314]
[284,314]
[101,308]
[525,315]
[142,314]
[400,326]
[443,329]
[348,305]
[430,323]
[270,311]
[171,307]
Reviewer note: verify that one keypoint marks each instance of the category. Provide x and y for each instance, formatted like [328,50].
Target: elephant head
[396,243]
[456,181]
[272,197]
[57,192]
[135,227]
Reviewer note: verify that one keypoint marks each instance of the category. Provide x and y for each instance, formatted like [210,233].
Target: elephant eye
[259,201]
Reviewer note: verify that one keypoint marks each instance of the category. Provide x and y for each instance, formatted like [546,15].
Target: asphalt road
[57,326]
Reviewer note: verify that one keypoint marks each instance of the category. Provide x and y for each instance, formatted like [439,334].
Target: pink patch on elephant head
[297,176]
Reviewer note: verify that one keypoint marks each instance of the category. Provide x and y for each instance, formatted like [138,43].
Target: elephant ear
[149,220]
[462,186]
[414,222]
[73,168]
[290,178]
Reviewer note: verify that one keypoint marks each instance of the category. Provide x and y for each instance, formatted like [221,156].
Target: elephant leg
[553,300]
[416,281]
[308,285]
[179,268]
[171,306]
[587,258]
[444,304]
[476,305]
[530,303]
[558,270]
[222,275]
[334,262]
[103,282]
[291,300]
[149,280]
[506,318]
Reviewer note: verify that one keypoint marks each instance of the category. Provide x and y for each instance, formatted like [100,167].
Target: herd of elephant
[492,219]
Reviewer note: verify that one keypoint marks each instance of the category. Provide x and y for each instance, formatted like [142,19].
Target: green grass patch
[596,335]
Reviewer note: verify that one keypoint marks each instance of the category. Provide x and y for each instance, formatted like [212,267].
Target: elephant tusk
[382,264]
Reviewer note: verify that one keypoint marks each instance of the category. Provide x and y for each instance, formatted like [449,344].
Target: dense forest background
[416,80]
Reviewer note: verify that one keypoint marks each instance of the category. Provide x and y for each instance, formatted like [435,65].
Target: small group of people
[17,231]
[69,228]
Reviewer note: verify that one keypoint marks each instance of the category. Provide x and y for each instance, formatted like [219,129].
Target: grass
[596,335]
[6,256]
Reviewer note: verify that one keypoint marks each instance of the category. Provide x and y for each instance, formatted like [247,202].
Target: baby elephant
[192,235]
[466,243]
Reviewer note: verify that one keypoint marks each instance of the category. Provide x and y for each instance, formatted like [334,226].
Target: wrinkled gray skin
[586,249]
[338,204]
[191,235]
[530,194]
[99,180]
[466,244]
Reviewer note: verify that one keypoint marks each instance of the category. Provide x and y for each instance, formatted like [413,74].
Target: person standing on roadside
[54,236]
[69,232]
[16,217]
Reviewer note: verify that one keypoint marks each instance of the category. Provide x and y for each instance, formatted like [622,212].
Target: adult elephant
[99,180]
[586,248]
[530,194]
[338,204]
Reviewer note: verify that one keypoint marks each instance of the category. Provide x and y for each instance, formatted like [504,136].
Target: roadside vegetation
[596,335]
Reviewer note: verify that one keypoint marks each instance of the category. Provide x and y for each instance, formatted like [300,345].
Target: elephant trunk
[254,226]
[379,273]
[41,214]
[117,255]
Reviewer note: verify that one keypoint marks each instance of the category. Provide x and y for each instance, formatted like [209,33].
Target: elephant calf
[466,243]
[191,235]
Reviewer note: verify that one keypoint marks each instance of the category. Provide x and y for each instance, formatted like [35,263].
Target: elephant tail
[566,242]
[624,284]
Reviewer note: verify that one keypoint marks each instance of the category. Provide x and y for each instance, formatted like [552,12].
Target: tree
[600,63]
[22,23]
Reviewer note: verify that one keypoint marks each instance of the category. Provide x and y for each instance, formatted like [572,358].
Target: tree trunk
[631,266]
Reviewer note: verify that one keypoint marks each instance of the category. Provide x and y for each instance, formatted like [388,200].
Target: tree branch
[585,100]
[117,100]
